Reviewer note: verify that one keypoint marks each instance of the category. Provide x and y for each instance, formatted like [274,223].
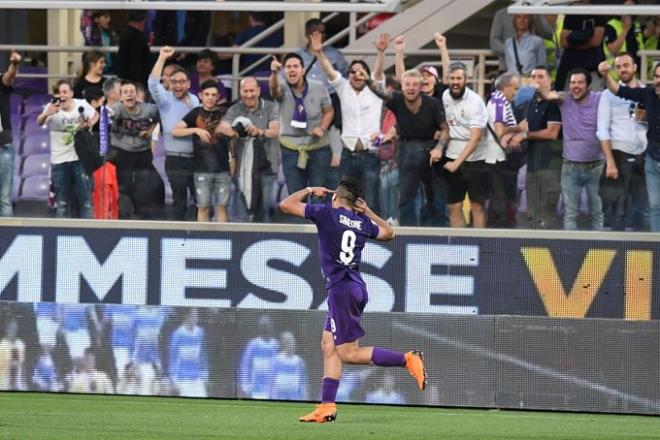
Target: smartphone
[55,100]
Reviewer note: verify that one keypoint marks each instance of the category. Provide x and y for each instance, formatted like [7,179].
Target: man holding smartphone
[6,147]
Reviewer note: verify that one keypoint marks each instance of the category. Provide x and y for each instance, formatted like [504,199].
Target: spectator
[45,376]
[86,378]
[315,72]
[257,152]
[523,50]
[623,139]
[181,28]
[257,23]
[582,40]
[204,72]
[74,325]
[6,140]
[173,105]
[91,75]
[134,57]
[583,157]
[389,169]
[623,34]
[130,152]
[255,372]
[290,381]
[502,28]
[96,30]
[543,154]
[553,49]
[212,160]
[47,321]
[464,164]
[502,122]
[650,97]
[420,124]
[12,357]
[188,366]
[361,111]
[433,84]
[306,113]
[111,90]
[64,116]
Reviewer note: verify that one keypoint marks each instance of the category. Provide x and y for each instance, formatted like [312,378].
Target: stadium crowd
[428,150]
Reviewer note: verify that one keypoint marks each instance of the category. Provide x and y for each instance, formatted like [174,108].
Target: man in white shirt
[622,135]
[65,115]
[465,160]
[361,114]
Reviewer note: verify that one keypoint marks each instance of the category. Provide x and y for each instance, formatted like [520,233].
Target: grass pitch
[28,416]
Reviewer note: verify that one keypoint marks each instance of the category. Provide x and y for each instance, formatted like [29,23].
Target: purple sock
[386,358]
[329,390]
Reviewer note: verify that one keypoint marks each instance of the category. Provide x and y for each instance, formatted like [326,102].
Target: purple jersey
[342,236]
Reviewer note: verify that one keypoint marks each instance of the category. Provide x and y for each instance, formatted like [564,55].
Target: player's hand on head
[361,206]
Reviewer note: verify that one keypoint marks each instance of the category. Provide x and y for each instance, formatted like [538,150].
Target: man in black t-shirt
[6,147]
[582,40]
[420,124]
[211,155]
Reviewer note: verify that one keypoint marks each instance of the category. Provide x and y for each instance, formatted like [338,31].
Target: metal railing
[482,58]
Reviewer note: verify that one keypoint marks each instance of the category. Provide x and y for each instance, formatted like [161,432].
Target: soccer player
[343,228]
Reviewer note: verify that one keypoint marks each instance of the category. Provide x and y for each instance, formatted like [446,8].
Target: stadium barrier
[101,306]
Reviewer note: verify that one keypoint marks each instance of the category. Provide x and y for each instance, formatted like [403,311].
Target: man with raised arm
[361,112]
[343,229]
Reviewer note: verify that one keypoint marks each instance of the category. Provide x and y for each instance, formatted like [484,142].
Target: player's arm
[294,204]
[385,231]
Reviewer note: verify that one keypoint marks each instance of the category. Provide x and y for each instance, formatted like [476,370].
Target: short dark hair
[580,71]
[542,67]
[206,54]
[350,190]
[127,82]
[100,13]
[180,70]
[137,15]
[361,63]
[312,23]
[290,55]
[61,82]
[92,93]
[209,83]
[626,54]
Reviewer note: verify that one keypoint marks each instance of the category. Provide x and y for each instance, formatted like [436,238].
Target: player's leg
[332,365]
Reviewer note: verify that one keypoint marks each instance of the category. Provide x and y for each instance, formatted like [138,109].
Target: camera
[240,129]
[55,100]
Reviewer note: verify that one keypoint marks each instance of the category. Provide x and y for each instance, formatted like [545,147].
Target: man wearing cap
[361,112]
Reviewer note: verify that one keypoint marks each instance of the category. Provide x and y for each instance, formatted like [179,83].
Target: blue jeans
[318,165]
[66,176]
[575,176]
[652,170]
[365,168]
[6,179]
[389,191]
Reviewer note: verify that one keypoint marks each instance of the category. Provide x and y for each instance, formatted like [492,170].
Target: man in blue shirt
[343,229]
[173,105]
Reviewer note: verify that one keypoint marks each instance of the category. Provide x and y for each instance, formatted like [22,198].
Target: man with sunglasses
[361,112]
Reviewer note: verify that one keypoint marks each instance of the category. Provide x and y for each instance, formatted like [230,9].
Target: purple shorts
[346,301]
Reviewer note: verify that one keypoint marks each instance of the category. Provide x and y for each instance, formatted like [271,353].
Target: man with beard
[210,153]
[420,124]
[305,115]
[463,164]
[257,152]
[173,105]
[583,157]
[623,138]
[361,112]
[650,97]
[130,152]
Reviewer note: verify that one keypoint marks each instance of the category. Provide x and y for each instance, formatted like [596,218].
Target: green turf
[28,416]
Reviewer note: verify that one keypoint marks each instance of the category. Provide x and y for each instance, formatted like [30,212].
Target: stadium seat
[38,143]
[31,127]
[35,164]
[15,104]
[35,188]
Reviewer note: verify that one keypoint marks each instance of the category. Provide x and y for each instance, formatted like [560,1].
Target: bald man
[256,146]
